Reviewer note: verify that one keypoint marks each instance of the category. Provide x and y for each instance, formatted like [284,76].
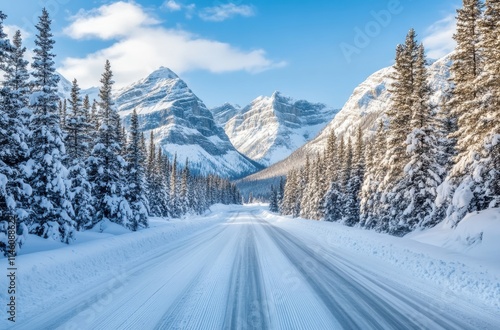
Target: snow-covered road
[246,272]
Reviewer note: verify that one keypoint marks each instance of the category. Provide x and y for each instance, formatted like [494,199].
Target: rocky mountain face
[366,106]
[182,125]
[270,128]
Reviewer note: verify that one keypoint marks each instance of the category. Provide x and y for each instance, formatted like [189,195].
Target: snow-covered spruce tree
[461,189]
[322,184]
[86,108]
[63,111]
[331,158]
[14,187]
[290,205]
[404,97]
[307,189]
[368,187]
[18,79]
[273,202]
[422,173]
[174,206]
[334,197]
[313,191]
[77,147]
[135,178]
[280,193]
[52,213]
[446,126]
[371,202]
[184,204]
[489,84]
[105,163]
[156,185]
[162,170]
[353,189]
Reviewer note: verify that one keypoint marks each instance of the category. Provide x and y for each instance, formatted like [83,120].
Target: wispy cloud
[226,11]
[438,39]
[172,5]
[142,45]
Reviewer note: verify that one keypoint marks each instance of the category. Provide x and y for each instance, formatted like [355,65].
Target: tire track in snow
[245,308]
[194,304]
[350,304]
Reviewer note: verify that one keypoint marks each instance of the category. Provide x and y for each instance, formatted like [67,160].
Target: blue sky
[234,51]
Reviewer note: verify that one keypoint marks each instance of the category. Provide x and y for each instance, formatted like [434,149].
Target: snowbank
[477,235]
[462,262]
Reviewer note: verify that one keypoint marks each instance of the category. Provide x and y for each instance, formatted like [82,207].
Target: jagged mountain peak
[181,124]
[271,127]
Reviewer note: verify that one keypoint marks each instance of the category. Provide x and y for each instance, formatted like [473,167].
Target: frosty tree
[14,187]
[136,194]
[52,213]
[105,164]
[77,146]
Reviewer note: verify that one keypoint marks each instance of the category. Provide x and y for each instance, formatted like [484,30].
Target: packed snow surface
[241,267]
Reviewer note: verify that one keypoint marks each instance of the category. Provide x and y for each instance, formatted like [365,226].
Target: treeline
[66,165]
[429,163]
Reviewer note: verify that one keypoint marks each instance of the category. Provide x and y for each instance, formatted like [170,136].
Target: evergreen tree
[460,186]
[184,189]
[353,189]
[422,173]
[489,99]
[372,202]
[52,213]
[77,147]
[405,97]
[174,208]
[14,187]
[136,194]
[273,203]
[105,163]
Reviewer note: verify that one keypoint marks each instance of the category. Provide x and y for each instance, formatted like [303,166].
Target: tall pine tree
[52,213]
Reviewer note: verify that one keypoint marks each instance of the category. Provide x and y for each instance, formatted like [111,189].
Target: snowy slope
[181,124]
[271,128]
[365,107]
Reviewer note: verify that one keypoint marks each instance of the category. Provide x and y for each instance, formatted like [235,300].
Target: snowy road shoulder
[59,271]
[457,270]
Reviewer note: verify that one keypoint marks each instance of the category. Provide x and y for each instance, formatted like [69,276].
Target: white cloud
[226,11]
[439,37]
[147,47]
[172,5]
[109,21]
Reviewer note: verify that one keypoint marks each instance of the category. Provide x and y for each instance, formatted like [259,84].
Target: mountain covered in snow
[270,128]
[366,106]
[181,124]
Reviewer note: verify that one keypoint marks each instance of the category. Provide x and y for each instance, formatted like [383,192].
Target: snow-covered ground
[241,267]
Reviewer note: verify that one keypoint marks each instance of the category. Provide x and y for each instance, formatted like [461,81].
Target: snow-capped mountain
[365,107]
[182,124]
[271,128]
[64,89]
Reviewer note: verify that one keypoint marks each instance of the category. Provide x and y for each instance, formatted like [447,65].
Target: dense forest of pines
[67,165]
[429,162]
